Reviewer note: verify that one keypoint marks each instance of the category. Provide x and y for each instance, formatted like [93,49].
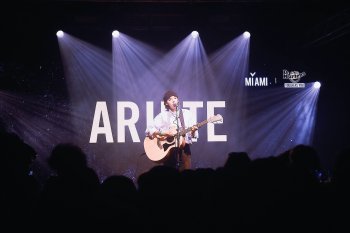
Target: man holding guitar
[168,134]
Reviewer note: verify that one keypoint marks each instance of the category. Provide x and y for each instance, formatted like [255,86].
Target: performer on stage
[167,123]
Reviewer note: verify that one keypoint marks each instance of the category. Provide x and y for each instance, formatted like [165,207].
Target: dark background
[310,36]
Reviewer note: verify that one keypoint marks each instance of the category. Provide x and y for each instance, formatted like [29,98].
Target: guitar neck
[200,124]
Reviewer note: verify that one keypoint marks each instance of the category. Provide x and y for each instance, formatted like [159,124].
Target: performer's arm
[156,129]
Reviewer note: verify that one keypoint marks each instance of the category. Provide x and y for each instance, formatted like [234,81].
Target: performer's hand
[171,132]
[193,130]
[166,133]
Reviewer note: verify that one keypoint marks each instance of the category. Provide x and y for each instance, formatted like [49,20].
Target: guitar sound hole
[167,145]
[170,139]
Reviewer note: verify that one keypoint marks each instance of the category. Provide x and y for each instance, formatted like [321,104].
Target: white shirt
[167,119]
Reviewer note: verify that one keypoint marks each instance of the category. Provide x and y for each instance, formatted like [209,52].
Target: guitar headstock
[216,119]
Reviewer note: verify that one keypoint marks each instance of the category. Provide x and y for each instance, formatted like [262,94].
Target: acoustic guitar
[158,147]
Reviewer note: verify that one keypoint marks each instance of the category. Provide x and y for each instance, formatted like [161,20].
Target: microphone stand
[178,157]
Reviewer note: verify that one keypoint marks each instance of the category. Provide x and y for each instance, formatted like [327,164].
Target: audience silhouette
[20,190]
[282,193]
[69,197]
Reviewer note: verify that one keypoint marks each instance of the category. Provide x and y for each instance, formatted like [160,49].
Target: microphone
[176,104]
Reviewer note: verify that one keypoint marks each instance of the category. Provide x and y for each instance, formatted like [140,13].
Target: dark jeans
[184,158]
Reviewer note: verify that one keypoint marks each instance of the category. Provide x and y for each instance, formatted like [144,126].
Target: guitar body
[158,148]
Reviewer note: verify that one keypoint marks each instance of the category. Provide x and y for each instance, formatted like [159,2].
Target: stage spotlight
[194,34]
[246,34]
[115,34]
[317,85]
[60,33]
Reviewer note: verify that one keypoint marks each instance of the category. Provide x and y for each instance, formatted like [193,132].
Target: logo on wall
[294,77]
[256,81]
